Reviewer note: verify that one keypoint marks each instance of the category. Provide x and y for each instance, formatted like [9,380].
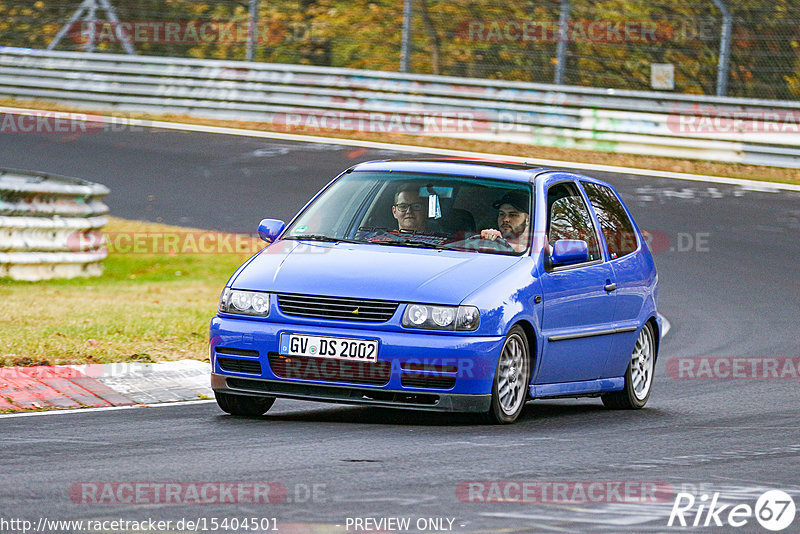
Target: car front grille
[375,311]
[330,370]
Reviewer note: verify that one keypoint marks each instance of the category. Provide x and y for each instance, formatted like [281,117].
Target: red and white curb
[103,385]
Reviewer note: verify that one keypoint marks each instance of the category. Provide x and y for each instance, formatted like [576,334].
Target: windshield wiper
[406,243]
[319,237]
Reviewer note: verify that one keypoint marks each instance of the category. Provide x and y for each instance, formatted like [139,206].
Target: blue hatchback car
[443,285]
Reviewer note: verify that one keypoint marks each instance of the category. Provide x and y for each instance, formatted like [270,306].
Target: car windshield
[420,210]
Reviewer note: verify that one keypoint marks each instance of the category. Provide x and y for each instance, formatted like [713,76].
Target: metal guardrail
[749,131]
[50,226]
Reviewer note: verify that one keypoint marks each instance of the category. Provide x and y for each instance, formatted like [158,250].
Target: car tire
[511,378]
[243,404]
[638,376]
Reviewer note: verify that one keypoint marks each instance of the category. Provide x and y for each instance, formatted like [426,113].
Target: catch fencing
[743,48]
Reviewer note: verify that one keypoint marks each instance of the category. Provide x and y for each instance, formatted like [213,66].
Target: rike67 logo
[774,510]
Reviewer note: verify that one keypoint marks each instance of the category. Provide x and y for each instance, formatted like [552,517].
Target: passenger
[409,209]
[513,220]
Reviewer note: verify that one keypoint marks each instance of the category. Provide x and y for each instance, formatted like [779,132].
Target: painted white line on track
[755,185]
[104,409]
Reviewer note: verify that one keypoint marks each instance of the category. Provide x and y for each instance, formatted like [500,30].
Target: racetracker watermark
[657,241]
[219,492]
[169,243]
[774,510]
[61,122]
[171,32]
[414,372]
[202,242]
[148,525]
[564,491]
[410,122]
[727,368]
[90,370]
[714,121]
[578,31]
[76,373]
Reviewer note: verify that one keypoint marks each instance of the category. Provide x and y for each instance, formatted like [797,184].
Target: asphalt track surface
[735,295]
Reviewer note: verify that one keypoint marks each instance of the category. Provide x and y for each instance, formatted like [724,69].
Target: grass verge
[702,167]
[145,307]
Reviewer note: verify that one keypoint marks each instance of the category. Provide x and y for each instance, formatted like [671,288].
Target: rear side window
[568,218]
[617,227]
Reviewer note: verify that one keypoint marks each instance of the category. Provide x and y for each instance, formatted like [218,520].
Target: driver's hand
[491,234]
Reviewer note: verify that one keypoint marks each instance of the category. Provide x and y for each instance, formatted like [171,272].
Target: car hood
[370,271]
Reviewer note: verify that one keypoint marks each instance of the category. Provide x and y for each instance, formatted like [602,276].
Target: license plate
[340,348]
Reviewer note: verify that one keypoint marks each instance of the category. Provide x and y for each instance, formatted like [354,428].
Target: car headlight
[460,318]
[244,302]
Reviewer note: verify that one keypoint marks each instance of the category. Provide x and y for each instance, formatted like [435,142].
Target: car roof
[500,170]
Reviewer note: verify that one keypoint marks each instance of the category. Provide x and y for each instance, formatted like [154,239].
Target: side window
[617,227]
[568,218]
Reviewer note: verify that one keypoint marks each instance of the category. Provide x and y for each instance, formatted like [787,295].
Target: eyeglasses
[403,208]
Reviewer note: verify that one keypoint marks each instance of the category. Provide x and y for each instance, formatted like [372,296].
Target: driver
[409,209]
[513,220]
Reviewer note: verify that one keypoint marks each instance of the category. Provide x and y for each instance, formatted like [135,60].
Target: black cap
[516,199]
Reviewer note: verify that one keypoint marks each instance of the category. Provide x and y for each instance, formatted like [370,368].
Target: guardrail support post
[405,48]
[724,48]
[251,31]
[563,36]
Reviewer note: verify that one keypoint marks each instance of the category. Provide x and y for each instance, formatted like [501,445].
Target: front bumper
[435,402]
[465,363]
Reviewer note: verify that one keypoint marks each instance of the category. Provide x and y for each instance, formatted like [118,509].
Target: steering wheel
[499,244]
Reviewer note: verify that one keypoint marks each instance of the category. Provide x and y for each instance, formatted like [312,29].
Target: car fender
[508,299]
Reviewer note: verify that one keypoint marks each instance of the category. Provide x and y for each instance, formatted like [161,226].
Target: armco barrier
[735,130]
[50,226]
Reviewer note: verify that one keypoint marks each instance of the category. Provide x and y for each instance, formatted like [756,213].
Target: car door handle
[610,287]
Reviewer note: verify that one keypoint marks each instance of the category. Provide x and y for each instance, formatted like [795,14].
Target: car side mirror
[270,229]
[569,252]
